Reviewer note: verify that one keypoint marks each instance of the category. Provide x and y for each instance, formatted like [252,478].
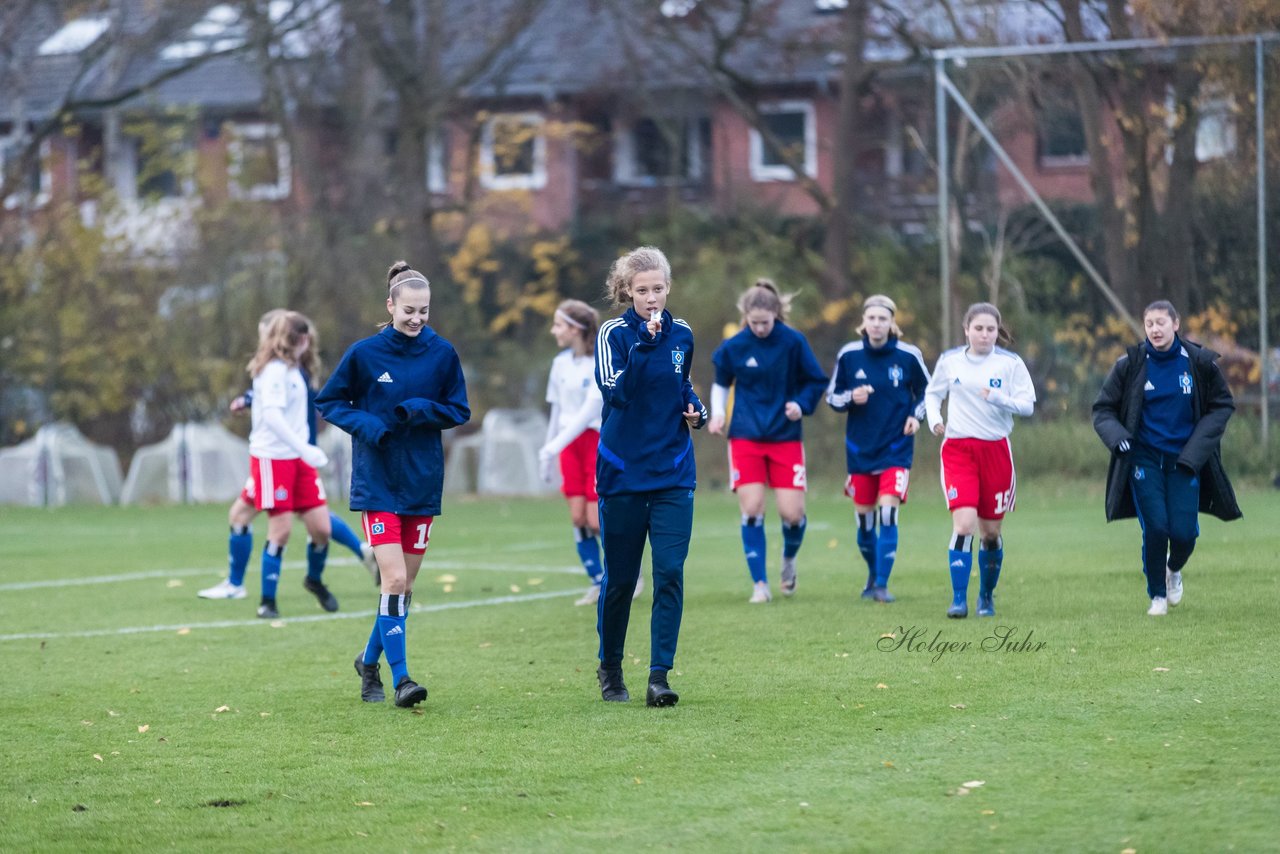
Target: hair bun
[763,282]
[396,269]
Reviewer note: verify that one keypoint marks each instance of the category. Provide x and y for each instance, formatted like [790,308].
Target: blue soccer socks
[753,546]
[272,558]
[342,534]
[990,559]
[239,549]
[588,546]
[867,544]
[316,559]
[793,537]
[391,628]
[960,561]
[886,545]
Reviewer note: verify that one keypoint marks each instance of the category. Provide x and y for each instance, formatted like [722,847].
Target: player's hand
[861,393]
[546,465]
[792,411]
[716,424]
[692,416]
[654,324]
[986,393]
[939,429]
[911,427]
[314,457]
[237,403]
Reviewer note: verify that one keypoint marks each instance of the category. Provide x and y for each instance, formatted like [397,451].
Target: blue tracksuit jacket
[766,373]
[394,394]
[645,443]
[873,433]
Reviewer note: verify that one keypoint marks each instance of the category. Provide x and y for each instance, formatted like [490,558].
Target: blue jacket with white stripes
[874,440]
[645,444]
[394,393]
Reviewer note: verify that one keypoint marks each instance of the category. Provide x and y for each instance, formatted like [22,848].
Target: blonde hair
[642,259]
[585,319]
[764,294]
[880,301]
[280,341]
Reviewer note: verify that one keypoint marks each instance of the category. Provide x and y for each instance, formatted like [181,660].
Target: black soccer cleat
[317,589]
[370,681]
[409,693]
[612,688]
[660,693]
[267,609]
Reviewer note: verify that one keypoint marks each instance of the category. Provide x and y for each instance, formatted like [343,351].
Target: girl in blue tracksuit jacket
[880,381]
[394,392]
[645,473]
[778,381]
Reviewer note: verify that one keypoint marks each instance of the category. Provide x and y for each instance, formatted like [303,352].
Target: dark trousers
[665,517]
[1168,499]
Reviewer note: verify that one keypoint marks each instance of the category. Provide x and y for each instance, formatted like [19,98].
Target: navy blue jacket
[873,439]
[394,394]
[766,373]
[645,444]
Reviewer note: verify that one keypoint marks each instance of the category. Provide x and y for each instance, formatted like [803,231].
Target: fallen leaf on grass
[113,714]
[534,582]
[364,803]
[98,756]
[448,588]
[973,784]
[1129,851]
[515,588]
[887,764]
[223,709]
[889,635]
[447,578]
[881,685]
[264,714]
[87,723]
[988,812]
[962,791]
[174,582]
[144,727]
[1160,669]
[184,631]
[958,705]
[277,624]
[639,782]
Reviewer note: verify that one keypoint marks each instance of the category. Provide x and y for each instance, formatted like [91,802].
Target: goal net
[196,463]
[59,466]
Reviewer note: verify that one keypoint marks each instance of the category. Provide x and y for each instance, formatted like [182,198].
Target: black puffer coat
[1118,411]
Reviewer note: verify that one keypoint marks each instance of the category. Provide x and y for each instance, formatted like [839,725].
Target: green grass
[794,731]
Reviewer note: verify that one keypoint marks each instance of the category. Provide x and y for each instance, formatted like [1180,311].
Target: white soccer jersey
[963,378]
[281,387]
[570,387]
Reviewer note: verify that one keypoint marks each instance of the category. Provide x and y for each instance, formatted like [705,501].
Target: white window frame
[759,170]
[20,197]
[126,166]
[1217,135]
[625,162]
[235,162]
[534,180]
[437,174]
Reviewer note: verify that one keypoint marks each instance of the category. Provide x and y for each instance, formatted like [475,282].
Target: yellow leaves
[221,709]
[144,728]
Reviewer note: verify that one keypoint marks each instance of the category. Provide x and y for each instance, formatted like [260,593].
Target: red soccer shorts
[578,467]
[867,488]
[282,486]
[780,465]
[410,533]
[979,473]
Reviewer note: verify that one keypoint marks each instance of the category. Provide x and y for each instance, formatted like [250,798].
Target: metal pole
[1264,348]
[944,191]
[1039,202]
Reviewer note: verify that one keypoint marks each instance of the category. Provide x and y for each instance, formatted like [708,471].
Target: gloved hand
[314,457]
[546,465]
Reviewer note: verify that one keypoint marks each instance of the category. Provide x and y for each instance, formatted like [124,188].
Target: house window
[792,124]
[1216,131]
[649,152]
[513,152]
[159,163]
[437,160]
[1060,138]
[258,163]
[24,184]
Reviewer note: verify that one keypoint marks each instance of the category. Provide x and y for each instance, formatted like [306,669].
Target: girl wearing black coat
[1162,412]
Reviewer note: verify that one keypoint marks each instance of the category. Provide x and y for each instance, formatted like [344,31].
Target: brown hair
[639,260]
[399,275]
[1003,335]
[764,294]
[280,341]
[881,301]
[1162,305]
[587,321]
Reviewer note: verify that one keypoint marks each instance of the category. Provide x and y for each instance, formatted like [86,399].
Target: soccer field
[138,717]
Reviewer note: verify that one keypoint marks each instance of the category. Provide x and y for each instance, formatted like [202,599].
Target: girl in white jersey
[987,385]
[282,464]
[574,431]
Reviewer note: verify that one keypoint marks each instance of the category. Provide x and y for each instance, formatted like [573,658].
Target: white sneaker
[1173,584]
[1159,607]
[639,587]
[760,593]
[787,578]
[371,563]
[224,589]
[591,597]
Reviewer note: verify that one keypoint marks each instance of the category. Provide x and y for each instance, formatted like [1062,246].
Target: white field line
[314,618]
